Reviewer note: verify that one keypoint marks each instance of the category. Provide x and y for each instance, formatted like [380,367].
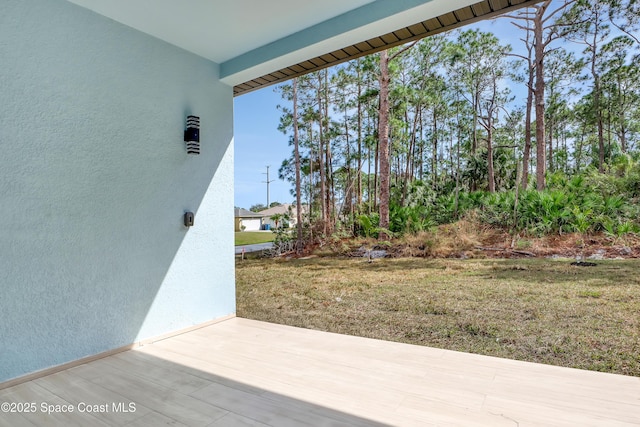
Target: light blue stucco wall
[94,180]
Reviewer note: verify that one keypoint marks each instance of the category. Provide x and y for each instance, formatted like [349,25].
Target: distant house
[288,211]
[250,220]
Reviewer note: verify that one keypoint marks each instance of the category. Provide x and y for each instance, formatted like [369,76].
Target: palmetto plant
[581,220]
[583,203]
[444,209]
[617,229]
[612,205]
[544,212]
[610,227]
[410,219]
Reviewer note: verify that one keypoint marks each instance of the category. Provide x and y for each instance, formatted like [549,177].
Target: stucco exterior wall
[94,181]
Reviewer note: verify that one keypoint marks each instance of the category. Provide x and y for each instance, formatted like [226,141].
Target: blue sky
[259,144]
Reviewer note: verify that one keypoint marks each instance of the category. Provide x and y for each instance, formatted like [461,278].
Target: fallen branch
[526,253]
[523,253]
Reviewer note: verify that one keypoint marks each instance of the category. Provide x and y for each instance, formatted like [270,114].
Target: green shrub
[369,225]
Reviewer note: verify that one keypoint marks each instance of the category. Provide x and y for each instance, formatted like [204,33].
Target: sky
[259,144]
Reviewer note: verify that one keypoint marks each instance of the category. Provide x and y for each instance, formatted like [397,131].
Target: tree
[383,136]
[296,150]
[562,71]
[625,16]
[530,75]
[370,130]
[276,218]
[493,100]
[463,55]
[478,64]
[620,87]
[591,30]
[257,207]
[538,20]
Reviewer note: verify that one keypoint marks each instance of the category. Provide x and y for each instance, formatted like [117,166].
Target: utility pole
[267,182]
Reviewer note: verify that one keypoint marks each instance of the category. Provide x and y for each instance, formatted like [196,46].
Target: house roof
[280,209]
[258,43]
[243,213]
[283,209]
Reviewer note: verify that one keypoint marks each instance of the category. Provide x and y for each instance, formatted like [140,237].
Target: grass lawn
[538,310]
[251,237]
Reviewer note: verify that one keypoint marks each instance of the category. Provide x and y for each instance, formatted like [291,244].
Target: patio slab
[247,373]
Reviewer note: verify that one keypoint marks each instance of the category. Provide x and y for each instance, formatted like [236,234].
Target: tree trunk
[459,139]
[434,162]
[331,198]
[473,185]
[539,99]
[311,183]
[296,149]
[474,134]
[621,118]
[376,174]
[623,137]
[551,130]
[330,195]
[383,137]
[596,106]
[526,155]
[369,189]
[359,171]
[579,150]
[408,171]
[490,170]
[452,172]
[321,165]
[421,165]
[596,90]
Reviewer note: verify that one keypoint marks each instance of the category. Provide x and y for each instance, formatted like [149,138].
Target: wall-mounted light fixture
[192,135]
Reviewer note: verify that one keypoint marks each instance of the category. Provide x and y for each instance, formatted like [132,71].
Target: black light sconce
[188,219]
[192,135]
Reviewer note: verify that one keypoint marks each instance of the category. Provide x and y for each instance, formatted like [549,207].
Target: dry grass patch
[459,238]
[470,238]
[536,310]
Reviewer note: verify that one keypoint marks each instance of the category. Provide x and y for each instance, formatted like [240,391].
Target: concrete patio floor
[242,372]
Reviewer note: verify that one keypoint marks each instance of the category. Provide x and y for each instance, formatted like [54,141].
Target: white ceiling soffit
[220,30]
[366,22]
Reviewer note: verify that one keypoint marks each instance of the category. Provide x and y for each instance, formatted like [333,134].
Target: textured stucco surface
[94,180]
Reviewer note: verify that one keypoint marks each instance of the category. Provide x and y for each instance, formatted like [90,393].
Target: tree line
[462,113]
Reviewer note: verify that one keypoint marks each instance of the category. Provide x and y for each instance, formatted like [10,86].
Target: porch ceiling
[433,25]
[258,43]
